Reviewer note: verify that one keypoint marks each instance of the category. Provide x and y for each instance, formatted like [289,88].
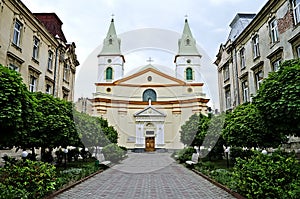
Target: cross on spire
[186,17]
[112,17]
[150,60]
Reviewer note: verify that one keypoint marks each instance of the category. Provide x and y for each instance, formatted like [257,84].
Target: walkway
[143,176]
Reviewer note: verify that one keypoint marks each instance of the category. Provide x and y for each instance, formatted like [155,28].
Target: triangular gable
[149,112]
[147,70]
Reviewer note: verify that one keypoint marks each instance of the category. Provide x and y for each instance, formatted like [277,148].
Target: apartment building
[256,45]
[35,45]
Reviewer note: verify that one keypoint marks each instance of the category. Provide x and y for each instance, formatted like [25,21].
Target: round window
[149,78]
[188,61]
[108,90]
[190,90]
[109,61]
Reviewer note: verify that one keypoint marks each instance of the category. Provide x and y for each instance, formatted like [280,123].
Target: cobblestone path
[143,176]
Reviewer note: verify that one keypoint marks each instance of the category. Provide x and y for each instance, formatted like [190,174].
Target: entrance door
[150,143]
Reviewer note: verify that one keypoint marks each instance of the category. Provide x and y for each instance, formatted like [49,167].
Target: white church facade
[148,107]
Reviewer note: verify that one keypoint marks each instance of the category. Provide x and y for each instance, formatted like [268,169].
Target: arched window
[110,41]
[189,74]
[109,74]
[188,42]
[149,94]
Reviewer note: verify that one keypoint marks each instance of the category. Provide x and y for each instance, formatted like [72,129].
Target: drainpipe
[237,77]
[55,64]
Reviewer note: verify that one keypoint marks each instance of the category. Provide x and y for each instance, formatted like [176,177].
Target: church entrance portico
[149,129]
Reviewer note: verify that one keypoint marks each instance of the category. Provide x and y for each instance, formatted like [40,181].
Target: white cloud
[219,2]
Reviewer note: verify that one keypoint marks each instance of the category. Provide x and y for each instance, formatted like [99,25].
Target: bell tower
[110,60]
[188,58]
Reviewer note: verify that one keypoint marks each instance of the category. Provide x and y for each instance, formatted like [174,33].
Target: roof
[52,23]
[111,44]
[187,43]
[238,24]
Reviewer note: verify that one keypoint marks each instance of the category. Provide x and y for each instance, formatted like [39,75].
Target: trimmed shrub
[185,154]
[238,152]
[268,176]
[113,153]
[28,179]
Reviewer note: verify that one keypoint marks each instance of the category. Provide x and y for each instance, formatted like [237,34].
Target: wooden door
[150,144]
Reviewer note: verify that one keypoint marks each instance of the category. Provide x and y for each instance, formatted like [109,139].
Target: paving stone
[143,176]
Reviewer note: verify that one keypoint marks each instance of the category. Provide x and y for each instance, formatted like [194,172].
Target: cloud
[219,2]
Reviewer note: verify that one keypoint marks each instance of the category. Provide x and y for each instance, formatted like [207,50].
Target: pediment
[150,76]
[149,112]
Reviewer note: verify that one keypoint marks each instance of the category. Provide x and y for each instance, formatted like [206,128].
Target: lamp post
[227,154]
[65,151]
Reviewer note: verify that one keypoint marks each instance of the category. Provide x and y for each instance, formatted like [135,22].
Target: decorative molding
[15,57]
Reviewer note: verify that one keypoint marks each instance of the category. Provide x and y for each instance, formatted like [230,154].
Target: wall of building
[269,51]
[20,54]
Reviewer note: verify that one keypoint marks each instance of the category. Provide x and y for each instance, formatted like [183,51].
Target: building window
[66,72]
[188,42]
[36,43]
[296,10]
[109,73]
[276,64]
[227,98]
[65,95]
[226,72]
[189,74]
[149,94]
[298,51]
[245,91]
[110,41]
[32,83]
[242,58]
[17,33]
[48,89]
[255,41]
[274,30]
[50,60]
[14,67]
[259,76]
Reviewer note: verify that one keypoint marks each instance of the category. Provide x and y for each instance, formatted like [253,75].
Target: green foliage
[94,131]
[193,131]
[113,153]
[185,154]
[278,99]
[268,176]
[15,107]
[214,139]
[56,125]
[27,179]
[223,176]
[217,171]
[244,127]
[238,152]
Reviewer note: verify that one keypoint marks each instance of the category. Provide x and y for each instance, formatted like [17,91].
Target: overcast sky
[86,22]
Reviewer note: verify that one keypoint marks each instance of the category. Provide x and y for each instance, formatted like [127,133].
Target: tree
[278,99]
[193,132]
[213,139]
[90,130]
[245,127]
[16,109]
[57,127]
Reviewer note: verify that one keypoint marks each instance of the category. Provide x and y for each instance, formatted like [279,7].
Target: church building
[148,107]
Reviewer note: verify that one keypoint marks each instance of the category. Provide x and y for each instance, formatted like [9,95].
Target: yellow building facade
[34,45]
[148,107]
